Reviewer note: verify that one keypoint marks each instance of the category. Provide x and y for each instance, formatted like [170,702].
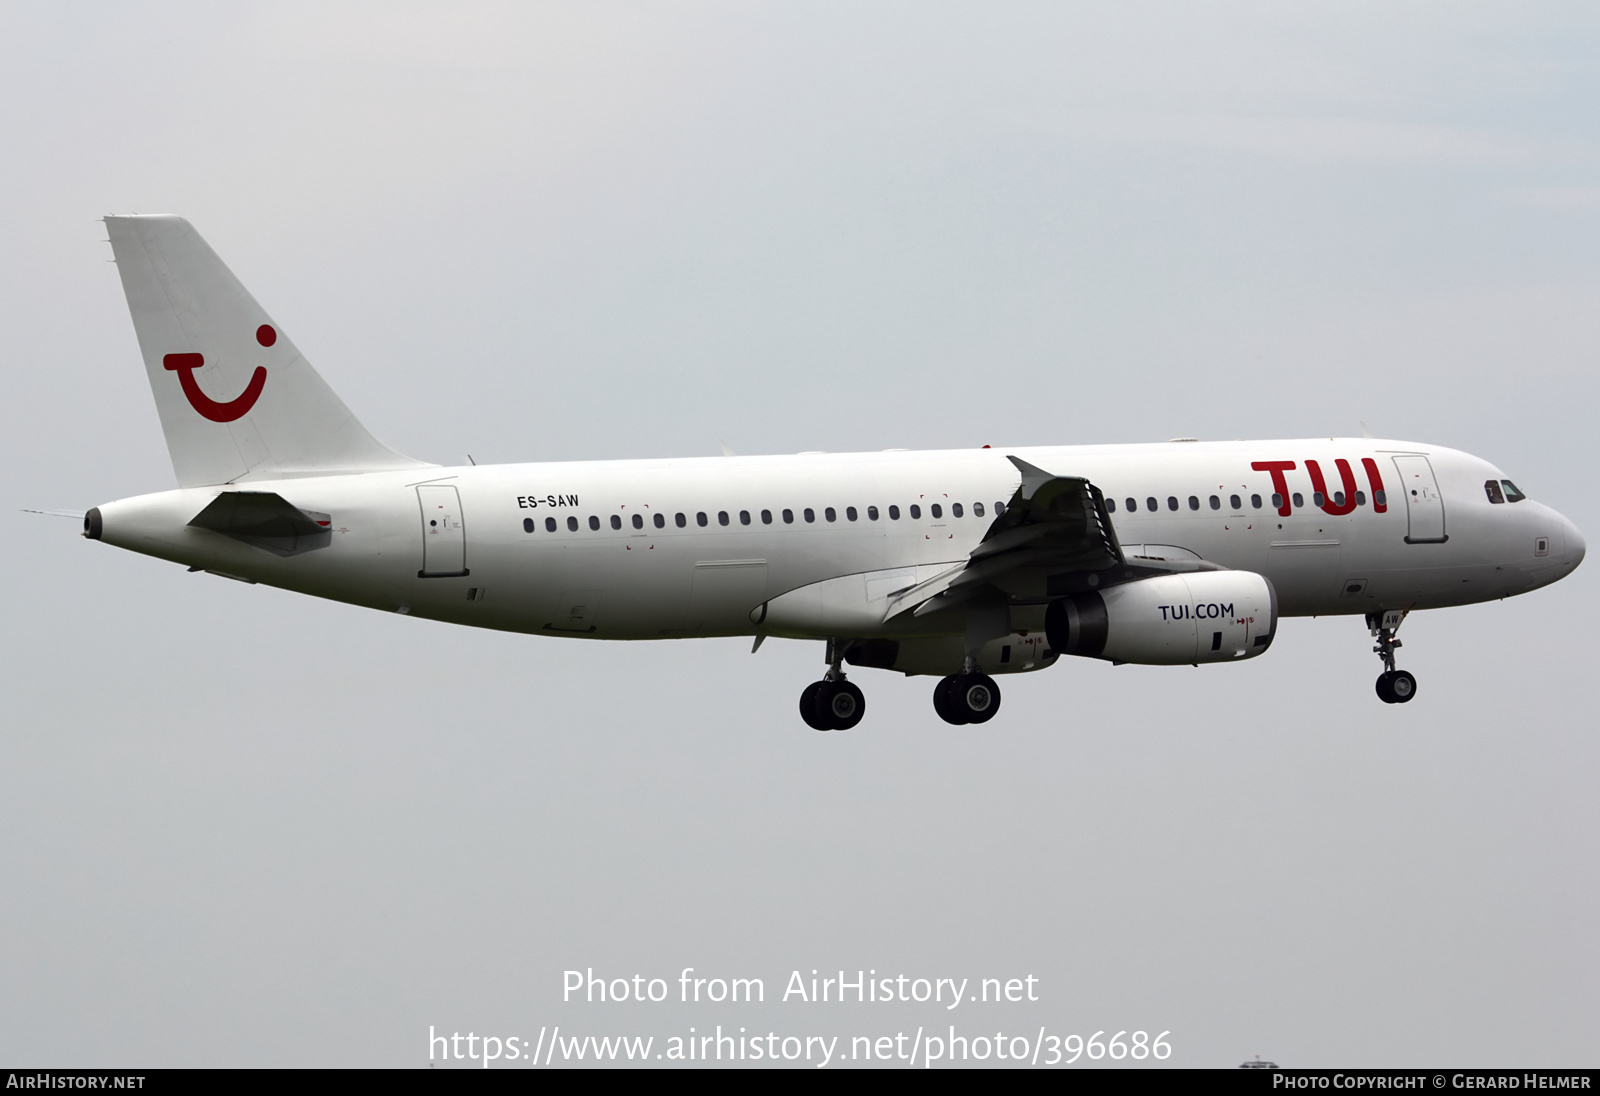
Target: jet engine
[1203,616]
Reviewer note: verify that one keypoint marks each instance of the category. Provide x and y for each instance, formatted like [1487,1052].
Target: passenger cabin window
[977,509]
[955,509]
[1380,497]
[680,519]
[1234,503]
[1512,494]
[1111,507]
[616,522]
[1255,502]
[1338,498]
[850,513]
[894,513]
[661,521]
[766,517]
[936,510]
[572,525]
[1277,501]
[810,514]
[1316,499]
[1194,503]
[744,517]
[700,519]
[829,514]
[1132,504]
[1298,501]
[1151,504]
[788,517]
[722,517]
[549,525]
[527,525]
[638,521]
[1172,502]
[916,511]
[1361,498]
[872,514]
[594,522]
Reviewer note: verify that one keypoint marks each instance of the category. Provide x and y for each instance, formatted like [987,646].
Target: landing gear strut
[967,697]
[832,704]
[1394,686]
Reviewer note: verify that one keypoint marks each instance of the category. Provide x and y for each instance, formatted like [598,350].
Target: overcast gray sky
[239,826]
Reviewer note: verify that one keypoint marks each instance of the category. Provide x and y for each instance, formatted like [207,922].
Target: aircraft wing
[1053,524]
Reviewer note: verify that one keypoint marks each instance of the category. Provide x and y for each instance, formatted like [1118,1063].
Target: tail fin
[236,399]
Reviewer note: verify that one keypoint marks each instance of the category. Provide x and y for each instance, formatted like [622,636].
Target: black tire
[1385,693]
[976,697]
[1402,686]
[840,705]
[944,702]
[809,708]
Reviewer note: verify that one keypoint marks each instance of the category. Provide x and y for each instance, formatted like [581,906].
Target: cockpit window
[1512,494]
[1492,489]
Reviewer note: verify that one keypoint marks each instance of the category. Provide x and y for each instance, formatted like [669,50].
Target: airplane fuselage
[649,549]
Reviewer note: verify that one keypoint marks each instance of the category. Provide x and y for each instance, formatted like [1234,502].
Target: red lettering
[1345,475]
[1375,481]
[1279,484]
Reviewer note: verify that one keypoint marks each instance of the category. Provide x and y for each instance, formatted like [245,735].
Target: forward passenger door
[1424,504]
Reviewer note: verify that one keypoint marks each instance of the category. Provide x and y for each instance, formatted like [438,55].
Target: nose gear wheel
[1396,686]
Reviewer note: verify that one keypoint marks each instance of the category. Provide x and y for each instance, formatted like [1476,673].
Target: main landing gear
[832,704]
[1394,686]
[967,697]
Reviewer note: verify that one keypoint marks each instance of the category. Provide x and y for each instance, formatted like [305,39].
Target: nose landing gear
[832,704]
[1394,686]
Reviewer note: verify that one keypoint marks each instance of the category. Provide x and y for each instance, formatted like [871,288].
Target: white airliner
[958,564]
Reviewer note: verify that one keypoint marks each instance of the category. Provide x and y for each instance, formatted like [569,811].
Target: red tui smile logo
[185,365]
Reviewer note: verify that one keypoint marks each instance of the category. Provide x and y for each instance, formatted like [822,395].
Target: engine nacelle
[1204,616]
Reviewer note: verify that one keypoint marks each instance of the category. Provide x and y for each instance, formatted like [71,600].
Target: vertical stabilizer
[236,399]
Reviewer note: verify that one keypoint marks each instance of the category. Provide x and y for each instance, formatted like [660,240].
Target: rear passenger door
[444,534]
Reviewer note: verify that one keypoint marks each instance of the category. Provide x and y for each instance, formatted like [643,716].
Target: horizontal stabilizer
[266,520]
